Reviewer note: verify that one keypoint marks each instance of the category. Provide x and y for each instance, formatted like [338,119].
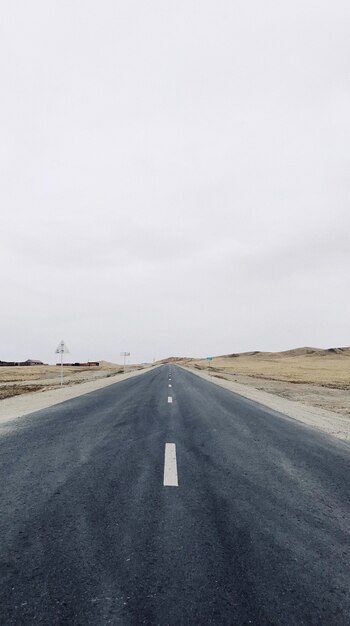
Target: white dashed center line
[169,385]
[170,399]
[170,466]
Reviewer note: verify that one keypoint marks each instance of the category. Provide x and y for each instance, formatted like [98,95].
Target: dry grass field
[17,380]
[313,376]
[304,365]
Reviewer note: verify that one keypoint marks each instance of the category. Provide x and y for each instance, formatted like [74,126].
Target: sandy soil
[310,394]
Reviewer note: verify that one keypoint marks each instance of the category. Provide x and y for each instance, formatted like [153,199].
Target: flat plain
[16,380]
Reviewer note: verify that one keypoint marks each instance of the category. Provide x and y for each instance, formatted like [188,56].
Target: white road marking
[169,385]
[170,399]
[170,466]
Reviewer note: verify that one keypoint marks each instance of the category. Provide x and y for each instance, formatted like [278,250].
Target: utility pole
[124,354]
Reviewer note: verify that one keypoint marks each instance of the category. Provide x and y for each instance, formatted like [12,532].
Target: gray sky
[174,177]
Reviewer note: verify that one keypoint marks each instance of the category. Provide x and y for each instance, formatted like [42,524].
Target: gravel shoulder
[324,420]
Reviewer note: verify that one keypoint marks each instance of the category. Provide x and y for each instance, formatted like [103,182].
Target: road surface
[165,499]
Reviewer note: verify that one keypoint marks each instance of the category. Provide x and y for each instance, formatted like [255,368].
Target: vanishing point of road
[167,500]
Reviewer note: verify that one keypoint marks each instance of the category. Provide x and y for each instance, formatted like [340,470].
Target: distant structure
[89,364]
[20,363]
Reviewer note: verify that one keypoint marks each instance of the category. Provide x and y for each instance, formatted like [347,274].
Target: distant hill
[109,364]
[305,351]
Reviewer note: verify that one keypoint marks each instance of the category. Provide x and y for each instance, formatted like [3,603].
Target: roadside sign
[209,358]
[61,348]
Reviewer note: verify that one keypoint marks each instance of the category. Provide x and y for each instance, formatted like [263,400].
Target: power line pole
[124,354]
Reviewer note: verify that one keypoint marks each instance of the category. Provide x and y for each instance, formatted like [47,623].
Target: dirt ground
[311,394]
[311,376]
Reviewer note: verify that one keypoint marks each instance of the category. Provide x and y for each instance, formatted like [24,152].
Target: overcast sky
[175,177]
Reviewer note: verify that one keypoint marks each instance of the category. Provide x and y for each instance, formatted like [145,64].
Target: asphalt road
[256,532]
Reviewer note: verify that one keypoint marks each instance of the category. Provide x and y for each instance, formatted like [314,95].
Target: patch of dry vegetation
[8,391]
[17,380]
[328,368]
[314,377]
